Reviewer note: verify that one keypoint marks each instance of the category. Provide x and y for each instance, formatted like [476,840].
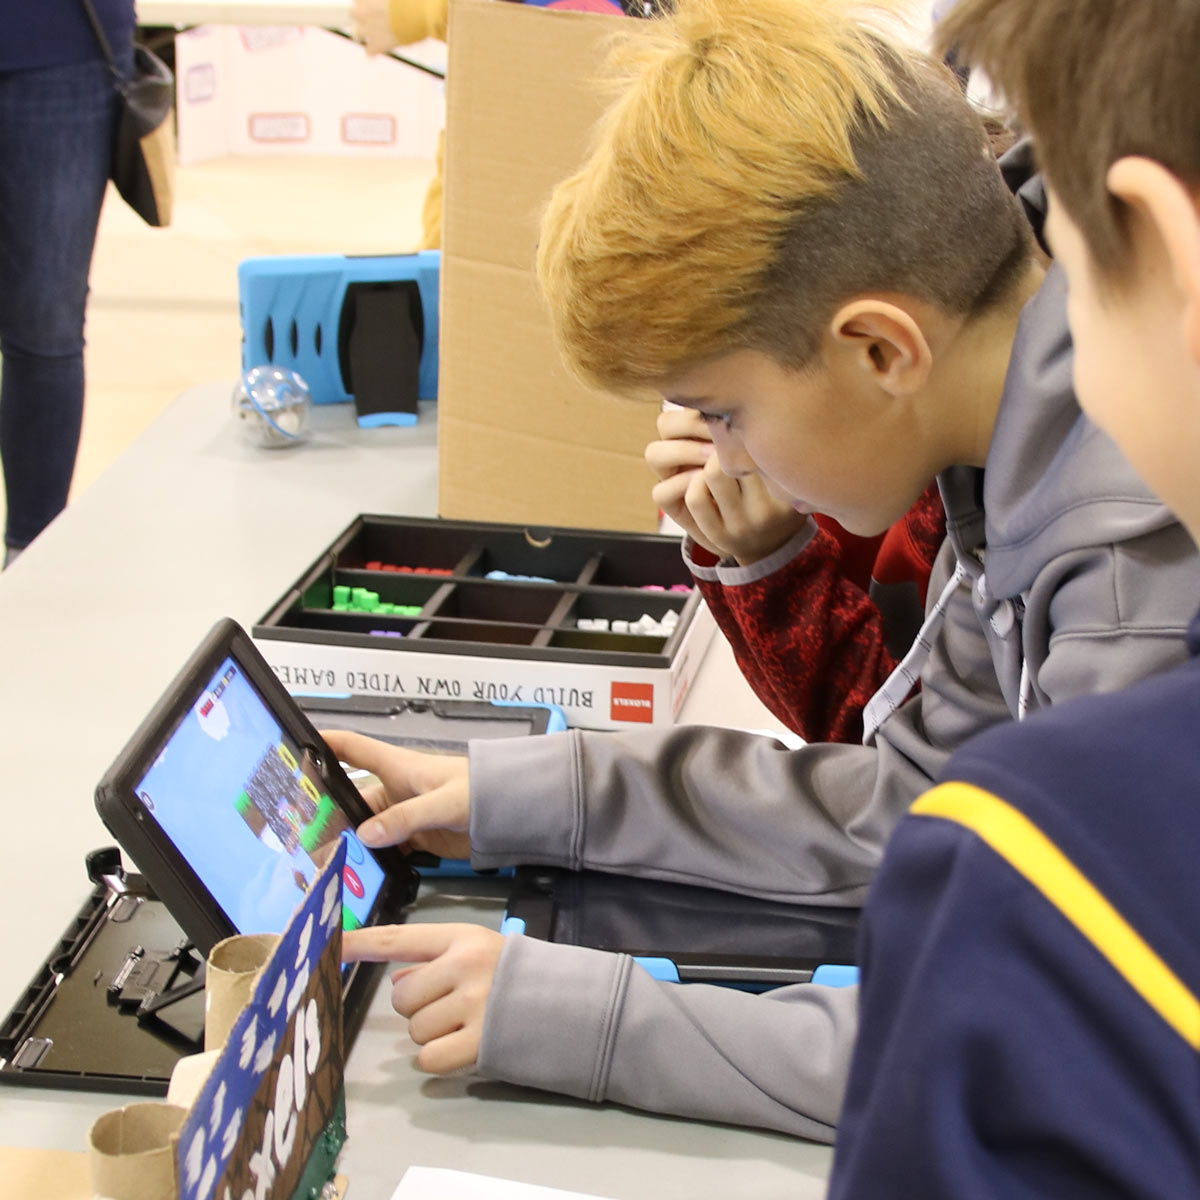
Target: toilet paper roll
[130,1152]
[233,966]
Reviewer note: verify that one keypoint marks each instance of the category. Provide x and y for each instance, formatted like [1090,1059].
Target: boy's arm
[738,811]
[810,640]
[810,643]
[725,809]
[728,809]
[595,1025]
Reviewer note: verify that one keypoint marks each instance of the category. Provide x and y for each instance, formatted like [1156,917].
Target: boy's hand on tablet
[736,518]
[444,989]
[423,801]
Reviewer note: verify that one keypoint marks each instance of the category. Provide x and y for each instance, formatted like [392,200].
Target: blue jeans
[56,134]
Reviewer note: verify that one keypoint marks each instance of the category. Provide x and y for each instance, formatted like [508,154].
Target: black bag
[143,163]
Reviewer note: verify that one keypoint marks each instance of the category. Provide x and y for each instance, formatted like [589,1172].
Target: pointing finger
[398,943]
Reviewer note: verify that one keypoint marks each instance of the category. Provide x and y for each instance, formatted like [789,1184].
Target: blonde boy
[1030,1017]
[797,228]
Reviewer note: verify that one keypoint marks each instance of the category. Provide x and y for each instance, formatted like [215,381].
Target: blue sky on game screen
[230,791]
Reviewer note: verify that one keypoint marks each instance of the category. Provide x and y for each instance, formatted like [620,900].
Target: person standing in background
[58,117]
[381,25]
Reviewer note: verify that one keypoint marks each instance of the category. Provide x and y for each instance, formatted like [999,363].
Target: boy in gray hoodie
[797,228]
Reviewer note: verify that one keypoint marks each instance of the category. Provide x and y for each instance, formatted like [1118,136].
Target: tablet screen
[247,808]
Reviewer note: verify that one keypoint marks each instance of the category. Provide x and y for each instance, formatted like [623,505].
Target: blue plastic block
[558,718]
[658,968]
[830,975]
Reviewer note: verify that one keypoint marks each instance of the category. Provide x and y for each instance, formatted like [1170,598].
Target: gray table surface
[95,619]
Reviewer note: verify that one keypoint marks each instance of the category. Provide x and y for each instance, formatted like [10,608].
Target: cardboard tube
[233,967]
[131,1153]
[189,1076]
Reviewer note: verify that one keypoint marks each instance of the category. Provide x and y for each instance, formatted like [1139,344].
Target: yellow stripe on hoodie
[1030,852]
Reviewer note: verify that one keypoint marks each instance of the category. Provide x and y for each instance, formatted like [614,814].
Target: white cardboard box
[472,637]
[272,90]
[592,696]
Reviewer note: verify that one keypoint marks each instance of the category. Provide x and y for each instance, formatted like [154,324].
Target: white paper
[438,1183]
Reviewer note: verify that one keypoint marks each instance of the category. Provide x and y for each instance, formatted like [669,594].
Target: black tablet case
[73,1028]
[77,1025]
[438,726]
[684,933]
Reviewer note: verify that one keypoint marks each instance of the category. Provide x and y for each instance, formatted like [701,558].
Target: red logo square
[633,702]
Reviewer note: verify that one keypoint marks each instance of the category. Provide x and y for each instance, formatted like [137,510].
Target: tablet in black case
[228,800]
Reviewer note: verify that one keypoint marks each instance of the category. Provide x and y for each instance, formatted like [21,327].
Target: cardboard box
[521,638]
[518,439]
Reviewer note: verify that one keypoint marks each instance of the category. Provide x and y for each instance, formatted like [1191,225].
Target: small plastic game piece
[375,565]
[645,625]
[363,600]
[505,576]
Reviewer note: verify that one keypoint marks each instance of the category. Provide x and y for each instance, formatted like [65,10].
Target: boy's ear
[1172,211]
[886,341]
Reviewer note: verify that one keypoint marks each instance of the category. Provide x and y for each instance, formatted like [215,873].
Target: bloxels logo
[633,702]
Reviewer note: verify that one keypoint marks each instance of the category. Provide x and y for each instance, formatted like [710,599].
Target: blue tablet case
[357,329]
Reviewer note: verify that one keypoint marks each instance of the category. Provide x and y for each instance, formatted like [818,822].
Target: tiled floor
[163,313]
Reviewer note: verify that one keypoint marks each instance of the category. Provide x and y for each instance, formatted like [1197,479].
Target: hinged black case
[118,1001]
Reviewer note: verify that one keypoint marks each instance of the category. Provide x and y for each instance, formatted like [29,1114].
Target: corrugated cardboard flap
[519,439]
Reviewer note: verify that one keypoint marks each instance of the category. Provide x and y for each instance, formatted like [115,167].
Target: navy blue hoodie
[1029,1021]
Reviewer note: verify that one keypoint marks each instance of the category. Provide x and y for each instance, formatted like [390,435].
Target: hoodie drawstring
[903,678]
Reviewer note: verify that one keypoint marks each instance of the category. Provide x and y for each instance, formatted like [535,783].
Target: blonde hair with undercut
[763,161]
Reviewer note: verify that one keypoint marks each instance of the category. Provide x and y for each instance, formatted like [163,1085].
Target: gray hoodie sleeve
[624,1036]
[722,808]
[734,810]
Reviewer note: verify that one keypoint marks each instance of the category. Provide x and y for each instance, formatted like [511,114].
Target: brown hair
[766,160]
[1094,82]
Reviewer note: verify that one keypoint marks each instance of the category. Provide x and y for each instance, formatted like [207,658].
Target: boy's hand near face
[732,518]
[422,801]
[444,989]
